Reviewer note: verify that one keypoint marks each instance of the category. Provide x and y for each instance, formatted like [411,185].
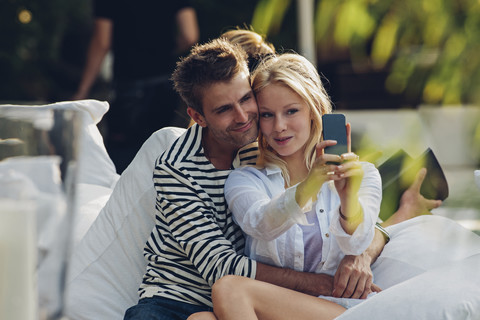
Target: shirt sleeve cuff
[357,242]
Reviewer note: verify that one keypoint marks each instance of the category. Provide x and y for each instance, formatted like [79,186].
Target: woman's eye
[292,111]
[265,114]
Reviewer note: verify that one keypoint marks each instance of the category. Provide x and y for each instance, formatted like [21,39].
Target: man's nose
[242,115]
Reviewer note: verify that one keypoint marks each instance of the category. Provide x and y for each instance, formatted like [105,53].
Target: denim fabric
[158,308]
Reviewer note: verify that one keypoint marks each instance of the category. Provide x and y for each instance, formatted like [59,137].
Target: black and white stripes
[195,241]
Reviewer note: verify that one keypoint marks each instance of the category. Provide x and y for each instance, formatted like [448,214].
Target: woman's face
[284,119]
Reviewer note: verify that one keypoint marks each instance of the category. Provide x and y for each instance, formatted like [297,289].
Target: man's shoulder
[164,138]
[247,155]
[184,147]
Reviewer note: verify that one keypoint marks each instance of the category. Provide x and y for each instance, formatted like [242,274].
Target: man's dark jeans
[157,308]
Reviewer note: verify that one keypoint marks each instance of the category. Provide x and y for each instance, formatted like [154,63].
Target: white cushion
[90,200]
[422,244]
[95,166]
[429,270]
[449,292]
[107,266]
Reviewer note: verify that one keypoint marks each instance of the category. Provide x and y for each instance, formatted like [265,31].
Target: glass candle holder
[38,161]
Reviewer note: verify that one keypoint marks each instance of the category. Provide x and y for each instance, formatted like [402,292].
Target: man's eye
[246,98]
[222,110]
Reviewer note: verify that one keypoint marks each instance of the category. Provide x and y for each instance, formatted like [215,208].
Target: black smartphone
[334,128]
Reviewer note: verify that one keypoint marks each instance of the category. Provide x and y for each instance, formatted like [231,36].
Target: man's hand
[412,203]
[353,278]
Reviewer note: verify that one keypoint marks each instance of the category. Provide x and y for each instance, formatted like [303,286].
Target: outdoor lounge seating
[114,216]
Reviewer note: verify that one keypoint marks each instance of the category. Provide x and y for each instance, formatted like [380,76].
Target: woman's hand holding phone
[322,170]
[348,174]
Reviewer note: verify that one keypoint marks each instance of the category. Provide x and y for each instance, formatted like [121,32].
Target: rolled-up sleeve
[369,196]
[259,213]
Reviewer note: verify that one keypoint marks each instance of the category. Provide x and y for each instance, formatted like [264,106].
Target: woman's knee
[227,290]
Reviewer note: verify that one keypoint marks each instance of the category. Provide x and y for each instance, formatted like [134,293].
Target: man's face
[230,113]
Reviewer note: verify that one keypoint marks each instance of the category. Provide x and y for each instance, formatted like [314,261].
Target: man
[195,241]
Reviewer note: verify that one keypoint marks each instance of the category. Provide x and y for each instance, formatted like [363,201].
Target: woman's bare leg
[205,315]
[236,297]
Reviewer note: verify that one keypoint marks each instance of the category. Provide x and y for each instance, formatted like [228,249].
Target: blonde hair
[296,73]
[254,44]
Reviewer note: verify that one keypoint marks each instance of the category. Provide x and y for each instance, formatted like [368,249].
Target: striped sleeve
[195,240]
[186,209]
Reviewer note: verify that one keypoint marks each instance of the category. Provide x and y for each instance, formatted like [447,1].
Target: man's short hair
[215,61]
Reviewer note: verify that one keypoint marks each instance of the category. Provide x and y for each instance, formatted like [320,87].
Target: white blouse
[273,222]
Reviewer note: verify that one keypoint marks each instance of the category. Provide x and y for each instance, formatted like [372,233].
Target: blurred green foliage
[430,48]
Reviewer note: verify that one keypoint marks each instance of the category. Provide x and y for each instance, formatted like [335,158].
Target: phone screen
[334,128]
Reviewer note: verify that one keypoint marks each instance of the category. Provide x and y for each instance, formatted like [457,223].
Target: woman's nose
[279,124]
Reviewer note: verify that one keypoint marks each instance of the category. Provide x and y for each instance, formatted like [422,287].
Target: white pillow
[421,244]
[107,266]
[90,200]
[407,272]
[448,292]
[94,163]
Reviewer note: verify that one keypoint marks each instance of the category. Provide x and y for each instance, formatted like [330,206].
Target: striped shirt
[195,241]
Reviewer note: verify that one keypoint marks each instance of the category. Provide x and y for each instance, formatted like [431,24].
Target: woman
[299,207]
[291,214]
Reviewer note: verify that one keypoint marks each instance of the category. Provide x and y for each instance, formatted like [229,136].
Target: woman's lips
[283,140]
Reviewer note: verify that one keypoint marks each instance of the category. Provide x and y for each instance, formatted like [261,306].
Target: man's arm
[98,49]
[308,283]
[190,217]
[412,203]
